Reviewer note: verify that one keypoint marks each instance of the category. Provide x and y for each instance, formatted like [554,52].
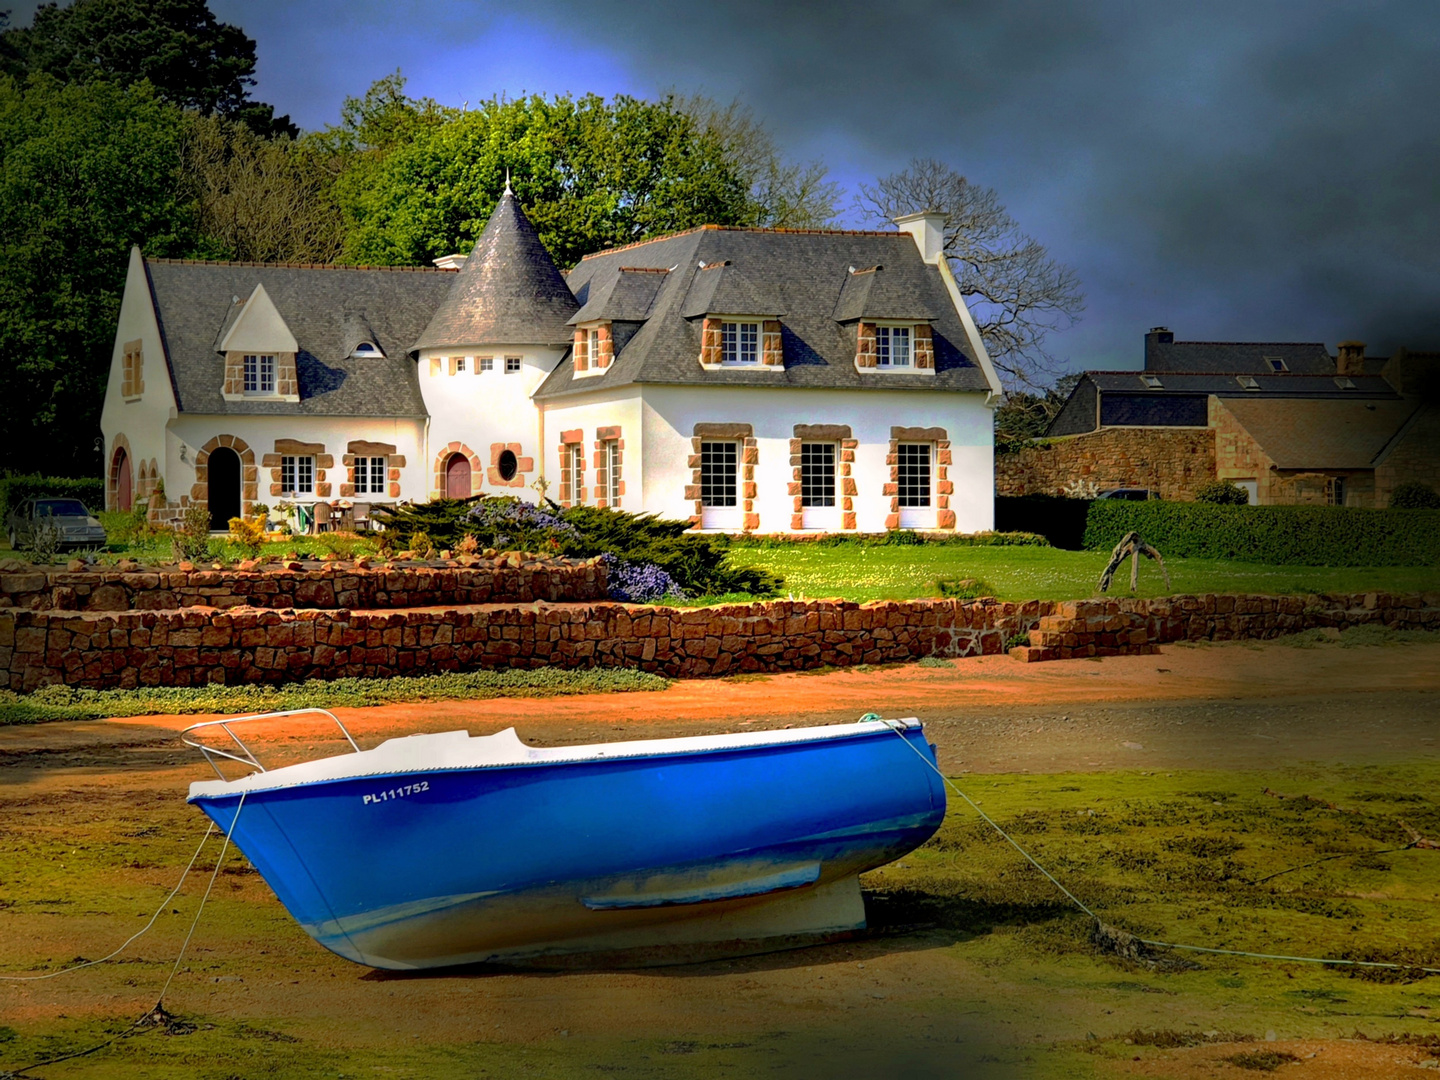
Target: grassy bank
[1015,986]
[1041,573]
[70,703]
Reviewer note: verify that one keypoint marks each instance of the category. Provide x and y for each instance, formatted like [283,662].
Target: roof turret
[509,291]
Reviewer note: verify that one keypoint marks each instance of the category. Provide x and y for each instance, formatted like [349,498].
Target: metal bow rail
[246,756]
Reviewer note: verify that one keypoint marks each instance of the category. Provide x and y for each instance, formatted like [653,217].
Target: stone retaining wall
[506,579]
[1079,628]
[199,645]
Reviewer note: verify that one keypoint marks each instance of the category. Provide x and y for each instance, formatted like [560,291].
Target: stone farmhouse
[744,379]
[1290,423]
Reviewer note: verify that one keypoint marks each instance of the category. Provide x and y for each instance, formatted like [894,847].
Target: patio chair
[322,522]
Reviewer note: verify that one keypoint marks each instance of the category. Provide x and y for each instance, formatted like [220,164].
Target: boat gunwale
[220,790]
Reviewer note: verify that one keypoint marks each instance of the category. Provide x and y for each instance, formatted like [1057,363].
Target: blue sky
[1236,171]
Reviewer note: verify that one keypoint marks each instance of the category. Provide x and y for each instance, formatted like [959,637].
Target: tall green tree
[85,172]
[191,58]
[417,180]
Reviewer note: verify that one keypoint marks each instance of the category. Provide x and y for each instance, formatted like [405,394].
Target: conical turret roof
[509,291]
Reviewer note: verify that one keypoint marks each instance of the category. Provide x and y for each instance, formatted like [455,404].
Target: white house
[746,379]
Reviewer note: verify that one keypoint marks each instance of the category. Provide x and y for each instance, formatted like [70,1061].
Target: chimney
[1158,335]
[450,262]
[1350,358]
[927,229]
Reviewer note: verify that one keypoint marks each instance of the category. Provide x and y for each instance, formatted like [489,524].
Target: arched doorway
[223,487]
[124,489]
[457,477]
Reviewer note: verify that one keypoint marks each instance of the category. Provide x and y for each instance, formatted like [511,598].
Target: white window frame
[259,373]
[460,364]
[592,346]
[576,451]
[887,337]
[513,364]
[819,516]
[721,515]
[297,474]
[484,363]
[917,517]
[372,475]
[607,472]
[737,349]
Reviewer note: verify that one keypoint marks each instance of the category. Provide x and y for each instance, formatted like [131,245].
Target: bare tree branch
[783,194]
[1016,291]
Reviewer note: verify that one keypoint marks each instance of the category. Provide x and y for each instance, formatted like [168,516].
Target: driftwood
[1132,547]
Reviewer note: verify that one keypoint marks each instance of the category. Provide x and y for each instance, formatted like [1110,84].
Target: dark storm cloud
[1237,170]
[1263,171]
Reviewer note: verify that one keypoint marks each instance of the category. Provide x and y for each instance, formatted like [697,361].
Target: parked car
[78,527]
[1129,494]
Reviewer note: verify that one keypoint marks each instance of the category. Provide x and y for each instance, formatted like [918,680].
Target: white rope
[163,904]
[155,1014]
[1144,941]
[234,821]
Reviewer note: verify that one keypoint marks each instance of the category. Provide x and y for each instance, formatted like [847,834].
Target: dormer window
[740,343]
[892,347]
[259,374]
[367,349]
[592,338]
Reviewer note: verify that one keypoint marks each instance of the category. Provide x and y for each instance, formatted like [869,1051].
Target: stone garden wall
[505,579]
[202,645]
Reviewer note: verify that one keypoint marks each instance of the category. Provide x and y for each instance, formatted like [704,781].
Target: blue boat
[430,850]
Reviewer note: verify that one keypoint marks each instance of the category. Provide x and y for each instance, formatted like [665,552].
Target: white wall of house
[479,409]
[193,431]
[141,418]
[588,413]
[670,414]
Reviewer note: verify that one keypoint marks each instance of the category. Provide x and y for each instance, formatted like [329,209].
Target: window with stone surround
[371,475]
[592,344]
[719,487]
[259,373]
[892,346]
[573,492]
[607,472]
[914,476]
[740,343]
[297,474]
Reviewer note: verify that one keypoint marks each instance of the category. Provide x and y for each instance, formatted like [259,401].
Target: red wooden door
[457,477]
[123,481]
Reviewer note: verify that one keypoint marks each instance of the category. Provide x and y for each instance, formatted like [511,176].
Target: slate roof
[623,297]
[328,309]
[1301,358]
[1227,385]
[509,291]
[799,275]
[1322,434]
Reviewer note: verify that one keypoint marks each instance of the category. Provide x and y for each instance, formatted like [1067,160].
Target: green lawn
[1039,573]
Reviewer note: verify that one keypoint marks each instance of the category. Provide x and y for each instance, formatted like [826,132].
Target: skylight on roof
[1152,381]
[1248,382]
[1277,363]
[1343,383]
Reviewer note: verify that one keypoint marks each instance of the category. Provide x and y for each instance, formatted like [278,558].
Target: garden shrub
[964,588]
[1414,496]
[14,489]
[1222,493]
[248,534]
[639,583]
[191,539]
[1277,535]
[695,562]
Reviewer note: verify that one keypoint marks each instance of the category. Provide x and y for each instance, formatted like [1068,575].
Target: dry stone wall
[196,646]
[1171,462]
[506,579]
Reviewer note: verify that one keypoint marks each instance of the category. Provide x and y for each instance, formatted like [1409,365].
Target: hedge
[16,489]
[1278,535]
